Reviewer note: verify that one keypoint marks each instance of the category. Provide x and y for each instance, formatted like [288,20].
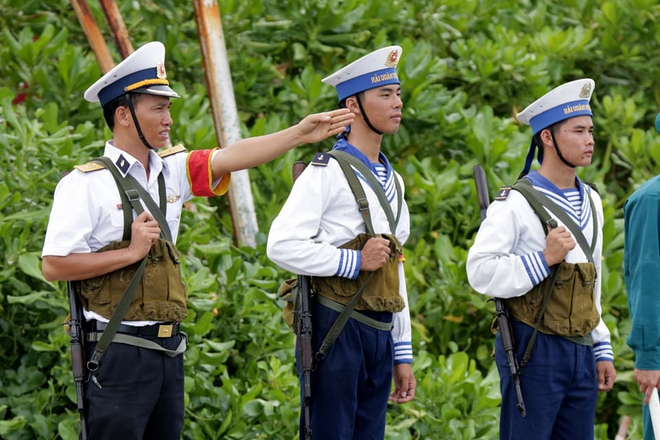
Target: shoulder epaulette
[172,150]
[593,186]
[89,167]
[503,193]
[321,160]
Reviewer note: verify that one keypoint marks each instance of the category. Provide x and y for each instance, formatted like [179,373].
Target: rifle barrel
[503,320]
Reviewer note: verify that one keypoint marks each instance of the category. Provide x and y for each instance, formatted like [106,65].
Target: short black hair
[359,95]
[120,101]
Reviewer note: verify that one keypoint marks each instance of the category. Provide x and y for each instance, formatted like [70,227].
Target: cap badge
[160,71]
[392,58]
[586,90]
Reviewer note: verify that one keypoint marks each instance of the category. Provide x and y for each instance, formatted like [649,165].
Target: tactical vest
[381,293]
[570,309]
[563,304]
[160,294]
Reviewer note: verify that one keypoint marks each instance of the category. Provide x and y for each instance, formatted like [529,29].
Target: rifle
[503,319]
[77,352]
[303,328]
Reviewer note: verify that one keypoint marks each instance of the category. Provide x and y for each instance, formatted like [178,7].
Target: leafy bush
[468,67]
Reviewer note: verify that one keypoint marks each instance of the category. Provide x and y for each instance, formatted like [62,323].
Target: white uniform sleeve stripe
[348,264]
[603,351]
[535,266]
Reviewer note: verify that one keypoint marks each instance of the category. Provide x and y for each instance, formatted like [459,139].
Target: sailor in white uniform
[513,254]
[350,388]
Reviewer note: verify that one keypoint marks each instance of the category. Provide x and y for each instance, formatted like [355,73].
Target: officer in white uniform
[513,253]
[136,392]
[350,387]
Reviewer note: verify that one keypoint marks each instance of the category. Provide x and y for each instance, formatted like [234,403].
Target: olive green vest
[563,304]
[160,295]
[570,309]
[381,293]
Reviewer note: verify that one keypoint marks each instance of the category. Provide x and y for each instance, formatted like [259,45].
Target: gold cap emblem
[586,90]
[160,71]
[392,58]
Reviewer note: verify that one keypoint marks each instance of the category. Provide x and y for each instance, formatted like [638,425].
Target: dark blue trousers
[136,394]
[351,387]
[559,387]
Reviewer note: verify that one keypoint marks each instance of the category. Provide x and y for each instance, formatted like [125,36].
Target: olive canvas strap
[375,185]
[134,191]
[539,202]
[133,195]
[533,196]
[345,314]
[347,311]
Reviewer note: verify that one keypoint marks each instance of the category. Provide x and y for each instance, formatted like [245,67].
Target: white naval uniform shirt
[320,215]
[87,209]
[506,258]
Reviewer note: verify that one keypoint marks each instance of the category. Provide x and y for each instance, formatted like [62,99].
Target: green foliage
[468,67]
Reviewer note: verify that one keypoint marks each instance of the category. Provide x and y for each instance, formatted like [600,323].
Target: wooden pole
[93,34]
[225,115]
[117,26]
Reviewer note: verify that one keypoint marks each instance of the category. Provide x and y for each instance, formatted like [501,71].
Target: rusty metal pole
[117,26]
[225,115]
[94,36]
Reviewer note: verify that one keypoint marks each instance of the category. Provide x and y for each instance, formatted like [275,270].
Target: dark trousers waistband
[165,329]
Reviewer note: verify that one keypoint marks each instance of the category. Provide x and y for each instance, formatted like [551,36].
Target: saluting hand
[375,254]
[144,232]
[558,243]
[319,126]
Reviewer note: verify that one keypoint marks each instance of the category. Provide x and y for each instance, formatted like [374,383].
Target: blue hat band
[560,113]
[120,86]
[367,81]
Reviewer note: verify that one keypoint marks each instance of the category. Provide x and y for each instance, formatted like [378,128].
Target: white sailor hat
[564,102]
[143,71]
[375,69]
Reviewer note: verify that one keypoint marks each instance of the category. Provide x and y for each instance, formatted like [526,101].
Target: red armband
[200,175]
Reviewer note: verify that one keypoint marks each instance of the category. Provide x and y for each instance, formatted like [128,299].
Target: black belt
[162,330]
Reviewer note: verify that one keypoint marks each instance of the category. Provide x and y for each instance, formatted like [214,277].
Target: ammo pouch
[160,295]
[381,293]
[570,311]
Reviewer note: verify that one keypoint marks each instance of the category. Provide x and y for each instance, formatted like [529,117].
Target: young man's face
[575,140]
[153,114]
[383,107]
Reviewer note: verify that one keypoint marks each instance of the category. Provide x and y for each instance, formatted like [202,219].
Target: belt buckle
[165,330]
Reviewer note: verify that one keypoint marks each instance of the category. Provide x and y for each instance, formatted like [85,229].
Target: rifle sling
[133,192]
[345,161]
[541,204]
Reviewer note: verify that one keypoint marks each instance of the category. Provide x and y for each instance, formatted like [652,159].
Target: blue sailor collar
[343,145]
[538,180]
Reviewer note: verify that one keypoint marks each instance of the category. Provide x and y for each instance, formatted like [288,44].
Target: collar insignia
[122,164]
